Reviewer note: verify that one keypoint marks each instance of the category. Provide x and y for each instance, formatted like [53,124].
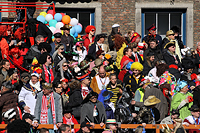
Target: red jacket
[124,58]
[87,42]
[121,75]
[73,120]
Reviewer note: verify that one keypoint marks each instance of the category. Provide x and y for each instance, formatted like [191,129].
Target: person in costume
[108,105]
[97,45]
[170,55]
[48,109]
[135,55]
[69,119]
[66,38]
[80,50]
[111,37]
[28,94]
[57,41]
[111,126]
[46,65]
[100,81]
[93,111]
[127,54]
[132,81]
[170,37]
[152,34]
[182,100]
[84,127]
[193,119]
[89,37]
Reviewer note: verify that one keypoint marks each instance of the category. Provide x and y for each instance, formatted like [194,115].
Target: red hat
[65,80]
[173,66]
[134,37]
[89,28]
[37,70]
[193,76]
[152,27]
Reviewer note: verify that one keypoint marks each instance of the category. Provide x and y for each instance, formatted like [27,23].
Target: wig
[19,33]
[89,28]
[119,40]
[15,51]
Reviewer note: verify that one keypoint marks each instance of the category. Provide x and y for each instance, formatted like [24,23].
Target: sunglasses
[93,97]
[64,65]
[92,30]
[62,49]
[49,58]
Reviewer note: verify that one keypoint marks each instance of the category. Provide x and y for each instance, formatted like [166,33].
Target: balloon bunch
[58,20]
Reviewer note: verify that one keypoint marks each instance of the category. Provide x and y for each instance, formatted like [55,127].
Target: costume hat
[10,114]
[67,110]
[111,121]
[169,32]
[137,66]
[151,100]
[194,108]
[169,44]
[128,66]
[152,27]
[84,64]
[107,95]
[134,37]
[85,124]
[47,86]
[66,27]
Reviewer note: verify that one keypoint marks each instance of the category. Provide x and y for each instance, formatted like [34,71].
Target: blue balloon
[52,23]
[75,34]
[41,18]
[72,31]
[78,28]
[45,22]
[58,17]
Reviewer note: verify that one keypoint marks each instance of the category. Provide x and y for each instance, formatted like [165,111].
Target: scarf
[47,73]
[36,85]
[44,110]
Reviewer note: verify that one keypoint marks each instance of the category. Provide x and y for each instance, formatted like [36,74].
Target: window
[84,16]
[164,19]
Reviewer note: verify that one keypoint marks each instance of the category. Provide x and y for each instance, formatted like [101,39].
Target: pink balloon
[80,25]
[50,12]
[63,14]
[57,31]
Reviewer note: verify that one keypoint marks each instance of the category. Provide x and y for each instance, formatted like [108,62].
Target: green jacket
[177,100]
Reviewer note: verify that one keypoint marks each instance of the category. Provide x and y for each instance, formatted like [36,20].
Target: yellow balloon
[43,14]
[53,39]
[62,32]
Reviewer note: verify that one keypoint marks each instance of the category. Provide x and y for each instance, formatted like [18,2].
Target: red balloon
[50,12]
[62,14]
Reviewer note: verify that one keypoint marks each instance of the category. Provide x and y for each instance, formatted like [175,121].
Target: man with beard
[57,41]
[28,94]
[153,48]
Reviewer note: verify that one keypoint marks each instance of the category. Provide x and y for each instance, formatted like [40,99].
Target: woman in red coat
[127,54]
[69,119]
[15,58]
[89,37]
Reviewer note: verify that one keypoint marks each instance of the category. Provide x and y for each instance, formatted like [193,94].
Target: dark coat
[164,42]
[87,111]
[111,43]
[67,40]
[32,52]
[158,38]
[92,50]
[139,57]
[175,72]
[157,53]
[8,100]
[45,32]
[147,68]
[56,60]
[169,59]
[196,95]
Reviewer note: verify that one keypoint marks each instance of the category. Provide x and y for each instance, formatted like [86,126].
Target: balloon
[57,31]
[50,12]
[78,28]
[76,34]
[63,14]
[41,19]
[73,21]
[79,36]
[72,31]
[59,25]
[48,17]
[53,23]
[66,19]
[62,32]
[58,17]
[80,25]
[52,29]
[45,22]
[43,14]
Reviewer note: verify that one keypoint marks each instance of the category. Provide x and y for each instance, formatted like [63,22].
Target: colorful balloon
[59,25]
[48,17]
[72,31]
[80,25]
[43,14]
[52,23]
[79,36]
[41,19]
[78,28]
[50,12]
[73,22]
[52,29]
[58,17]
[66,19]
[76,34]
[63,14]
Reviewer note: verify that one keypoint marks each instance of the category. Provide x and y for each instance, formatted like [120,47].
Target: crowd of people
[88,81]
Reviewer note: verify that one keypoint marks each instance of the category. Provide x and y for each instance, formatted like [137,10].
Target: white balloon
[52,29]
[48,17]
[73,22]
[59,25]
